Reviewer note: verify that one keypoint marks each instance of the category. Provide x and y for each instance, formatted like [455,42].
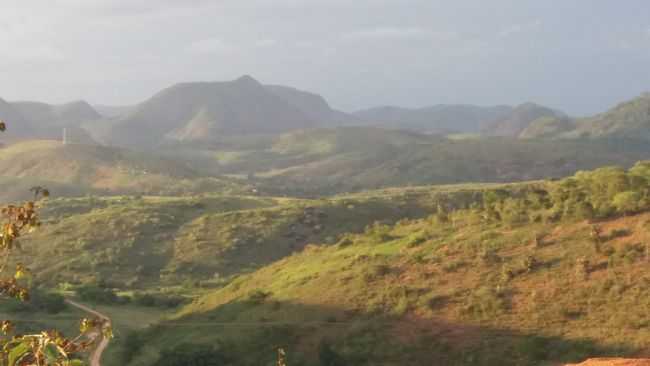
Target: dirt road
[96,356]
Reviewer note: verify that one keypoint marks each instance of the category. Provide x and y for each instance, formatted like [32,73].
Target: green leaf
[51,353]
[17,353]
[76,363]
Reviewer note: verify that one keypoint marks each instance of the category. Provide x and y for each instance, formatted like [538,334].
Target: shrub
[258,296]
[619,233]
[453,266]
[96,294]
[529,264]
[489,256]
[416,241]
[49,302]
[485,302]
[436,301]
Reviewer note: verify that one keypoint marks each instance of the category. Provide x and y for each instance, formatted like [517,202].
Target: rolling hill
[547,127]
[630,119]
[18,126]
[205,111]
[153,241]
[520,118]
[439,119]
[517,278]
[47,121]
[44,115]
[325,161]
[314,106]
[77,169]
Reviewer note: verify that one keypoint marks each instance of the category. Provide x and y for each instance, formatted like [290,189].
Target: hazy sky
[581,56]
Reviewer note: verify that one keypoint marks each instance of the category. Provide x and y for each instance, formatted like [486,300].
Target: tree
[627,202]
[46,347]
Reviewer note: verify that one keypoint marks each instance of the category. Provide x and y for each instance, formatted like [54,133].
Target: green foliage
[258,296]
[192,355]
[157,300]
[95,294]
[486,302]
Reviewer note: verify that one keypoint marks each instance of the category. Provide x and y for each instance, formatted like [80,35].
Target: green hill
[324,161]
[203,112]
[630,119]
[518,120]
[80,169]
[154,241]
[547,127]
[517,278]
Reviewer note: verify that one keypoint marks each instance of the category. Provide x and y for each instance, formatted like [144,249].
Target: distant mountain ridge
[501,120]
[314,106]
[630,119]
[443,118]
[20,126]
[519,119]
[214,111]
[204,111]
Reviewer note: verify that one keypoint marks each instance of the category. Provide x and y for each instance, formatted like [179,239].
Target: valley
[456,235]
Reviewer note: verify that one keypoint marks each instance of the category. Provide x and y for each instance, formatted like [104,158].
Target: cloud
[262,43]
[208,46]
[399,33]
[515,29]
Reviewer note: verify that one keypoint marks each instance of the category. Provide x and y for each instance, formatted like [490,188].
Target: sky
[580,56]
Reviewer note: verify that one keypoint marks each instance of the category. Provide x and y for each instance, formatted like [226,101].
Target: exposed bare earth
[96,356]
[613,362]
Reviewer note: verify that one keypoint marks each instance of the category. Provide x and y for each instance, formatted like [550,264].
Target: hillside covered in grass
[76,170]
[139,242]
[523,275]
[327,161]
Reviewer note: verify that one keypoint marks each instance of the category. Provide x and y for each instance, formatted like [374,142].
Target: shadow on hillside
[250,331]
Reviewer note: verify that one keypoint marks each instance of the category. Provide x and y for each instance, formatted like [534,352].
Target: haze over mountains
[211,111]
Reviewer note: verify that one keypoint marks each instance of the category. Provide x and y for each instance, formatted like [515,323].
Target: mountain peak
[247,79]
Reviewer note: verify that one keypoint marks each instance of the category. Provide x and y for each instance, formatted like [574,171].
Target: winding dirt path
[96,356]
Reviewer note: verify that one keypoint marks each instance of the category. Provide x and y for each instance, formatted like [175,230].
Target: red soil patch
[613,362]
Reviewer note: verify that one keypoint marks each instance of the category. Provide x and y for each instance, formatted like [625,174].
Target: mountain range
[216,111]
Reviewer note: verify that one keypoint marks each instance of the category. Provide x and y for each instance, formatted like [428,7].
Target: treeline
[597,194]
[99,294]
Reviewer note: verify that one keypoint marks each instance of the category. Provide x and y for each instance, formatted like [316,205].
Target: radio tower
[65,136]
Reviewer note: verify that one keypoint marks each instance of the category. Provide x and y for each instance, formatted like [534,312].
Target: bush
[157,300]
[485,302]
[96,294]
[416,241]
[436,301]
[48,302]
[258,296]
